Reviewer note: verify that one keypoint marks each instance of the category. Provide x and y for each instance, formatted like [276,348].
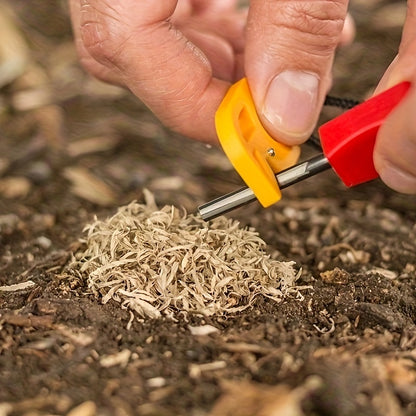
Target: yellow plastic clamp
[255,155]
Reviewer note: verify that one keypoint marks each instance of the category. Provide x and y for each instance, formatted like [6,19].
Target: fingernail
[290,103]
[398,179]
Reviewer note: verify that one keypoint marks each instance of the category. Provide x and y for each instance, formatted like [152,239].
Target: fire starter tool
[267,166]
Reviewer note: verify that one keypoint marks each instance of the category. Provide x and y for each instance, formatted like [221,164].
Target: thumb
[403,66]
[395,149]
[289,55]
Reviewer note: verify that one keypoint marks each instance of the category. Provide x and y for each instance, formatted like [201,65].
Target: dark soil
[353,326]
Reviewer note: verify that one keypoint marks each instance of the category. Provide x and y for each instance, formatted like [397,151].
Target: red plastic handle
[348,140]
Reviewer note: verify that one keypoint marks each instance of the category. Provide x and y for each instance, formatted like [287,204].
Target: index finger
[155,61]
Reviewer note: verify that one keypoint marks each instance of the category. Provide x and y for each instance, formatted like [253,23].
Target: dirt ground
[72,148]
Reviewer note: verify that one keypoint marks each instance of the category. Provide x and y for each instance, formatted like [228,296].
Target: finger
[155,61]
[218,51]
[348,31]
[403,66]
[395,149]
[289,56]
[409,30]
[189,8]
[230,26]
[183,10]
[89,63]
[213,6]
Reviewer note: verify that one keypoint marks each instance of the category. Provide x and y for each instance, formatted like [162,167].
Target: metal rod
[244,196]
[302,171]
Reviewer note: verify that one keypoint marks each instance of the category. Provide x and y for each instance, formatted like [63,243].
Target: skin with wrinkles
[180,57]
[395,151]
[296,36]
[179,62]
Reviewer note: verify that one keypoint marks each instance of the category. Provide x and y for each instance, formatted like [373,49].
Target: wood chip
[14,187]
[196,370]
[29,321]
[120,359]
[87,186]
[90,145]
[13,48]
[160,262]
[40,345]
[390,16]
[335,276]
[388,274]
[169,183]
[156,382]
[79,337]
[252,399]
[4,163]
[18,286]
[6,409]
[31,99]
[9,223]
[203,330]
[243,347]
[34,405]
[88,408]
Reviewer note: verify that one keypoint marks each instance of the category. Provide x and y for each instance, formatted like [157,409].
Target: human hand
[178,56]
[290,47]
[395,150]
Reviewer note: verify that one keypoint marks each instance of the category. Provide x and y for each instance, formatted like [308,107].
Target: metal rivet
[271,152]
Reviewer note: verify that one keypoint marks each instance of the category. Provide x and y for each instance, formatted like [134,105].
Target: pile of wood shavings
[161,262]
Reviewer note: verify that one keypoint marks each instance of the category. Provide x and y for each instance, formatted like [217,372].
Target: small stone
[39,172]
[43,242]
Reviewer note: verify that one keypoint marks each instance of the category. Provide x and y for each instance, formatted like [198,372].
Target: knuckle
[317,24]
[101,33]
[187,116]
[94,68]
[89,64]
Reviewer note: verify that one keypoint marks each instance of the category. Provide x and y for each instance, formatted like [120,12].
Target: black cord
[330,101]
[344,103]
